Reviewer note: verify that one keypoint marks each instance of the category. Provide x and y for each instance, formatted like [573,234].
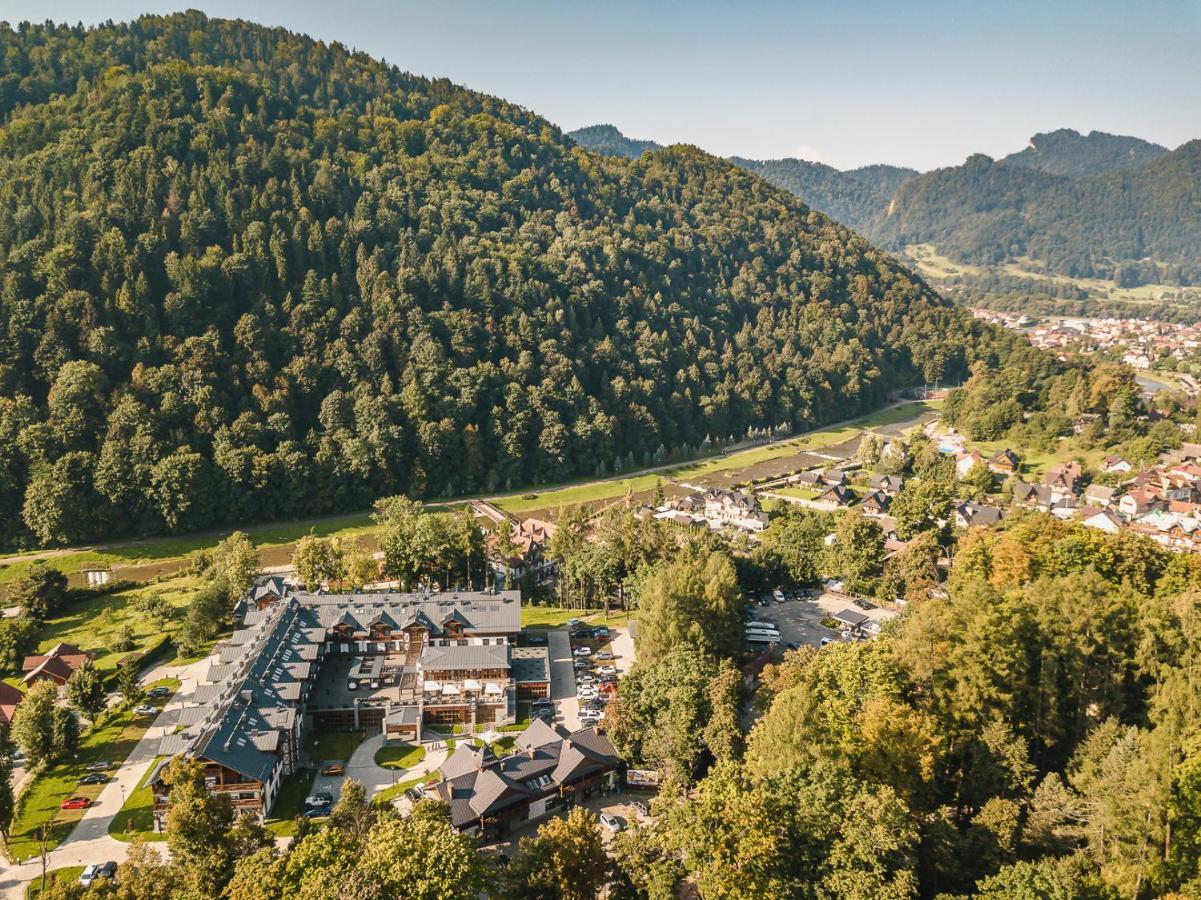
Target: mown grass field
[614,488]
[39,804]
[137,815]
[66,875]
[548,616]
[95,623]
[399,756]
[290,803]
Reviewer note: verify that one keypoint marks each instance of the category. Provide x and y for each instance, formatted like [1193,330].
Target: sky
[921,84]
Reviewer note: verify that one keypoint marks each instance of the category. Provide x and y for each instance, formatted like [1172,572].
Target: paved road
[89,841]
[562,678]
[362,768]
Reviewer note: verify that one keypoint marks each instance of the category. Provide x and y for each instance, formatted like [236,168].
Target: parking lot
[799,621]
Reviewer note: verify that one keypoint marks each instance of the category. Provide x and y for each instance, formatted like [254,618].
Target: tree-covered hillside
[248,275]
[608,141]
[853,198]
[1132,226]
[1068,152]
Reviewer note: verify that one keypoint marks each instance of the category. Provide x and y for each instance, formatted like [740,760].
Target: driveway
[562,678]
[362,768]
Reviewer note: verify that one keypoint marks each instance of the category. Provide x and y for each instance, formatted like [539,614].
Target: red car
[75,803]
[608,687]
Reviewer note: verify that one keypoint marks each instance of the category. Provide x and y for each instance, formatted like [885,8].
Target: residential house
[733,508]
[886,484]
[968,514]
[1116,464]
[1004,462]
[530,542]
[965,462]
[1139,502]
[10,699]
[876,503]
[548,770]
[1101,495]
[838,494]
[1064,477]
[1102,519]
[1033,496]
[56,664]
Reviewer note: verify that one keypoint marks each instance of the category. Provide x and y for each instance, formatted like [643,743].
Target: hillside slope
[1068,152]
[1141,224]
[608,141]
[245,275]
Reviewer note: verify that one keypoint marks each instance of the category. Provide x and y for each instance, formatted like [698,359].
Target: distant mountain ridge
[1090,205]
[1068,152]
[853,197]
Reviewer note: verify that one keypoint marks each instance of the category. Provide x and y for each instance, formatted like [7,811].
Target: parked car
[159,691]
[589,721]
[321,798]
[317,812]
[607,687]
[146,709]
[641,808]
[611,823]
[535,639]
[75,803]
[94,778]
[607,670]
[864,604]
[778,595]
[351,684]
[571,623]
[600,634]
[102,766]
[97,870]
[764,601]
[582,651]
[333,769]
[582,663]
[415,794]
[586,693]
[604,654]
[546,714]
[541,701]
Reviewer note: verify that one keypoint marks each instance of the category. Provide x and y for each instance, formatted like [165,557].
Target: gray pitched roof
[459,656]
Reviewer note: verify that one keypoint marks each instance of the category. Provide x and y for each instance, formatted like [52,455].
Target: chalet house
[733,508]
[965,462]
[886,484]
[1117,464]
[1103,520]
[550,769]
[1004,462]
[813,478]
[876,503]
[57,664]
[1034,496]
[967,514]
[267,591]
[531,540]
[838,494]
[1101,495]
[10,699]
[1064,477]
[833,477]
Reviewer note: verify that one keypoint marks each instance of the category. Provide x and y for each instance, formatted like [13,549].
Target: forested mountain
[1136,225]
[249,275]
[1068,152]
[853,198]
[608,141]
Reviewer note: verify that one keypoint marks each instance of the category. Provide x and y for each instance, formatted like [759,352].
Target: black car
[542,701]
[535,639]
[864,604]
[546,714]
[94,778]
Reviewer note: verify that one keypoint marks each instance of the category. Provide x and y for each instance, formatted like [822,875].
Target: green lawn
[137,815]
[67,873]
[618,487]
[93,624]
[391,793]
[290,803]
[792,490]
[40,802]
[399,756]
[163,549]
[548,616]
[333,745]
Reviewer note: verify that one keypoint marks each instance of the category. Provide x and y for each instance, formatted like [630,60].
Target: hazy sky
[914,83]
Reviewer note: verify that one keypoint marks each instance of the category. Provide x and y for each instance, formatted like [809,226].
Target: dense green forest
[249,275]
[608,141]
[1131,226]
[1068,152]
[1096,205]
[852,198]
